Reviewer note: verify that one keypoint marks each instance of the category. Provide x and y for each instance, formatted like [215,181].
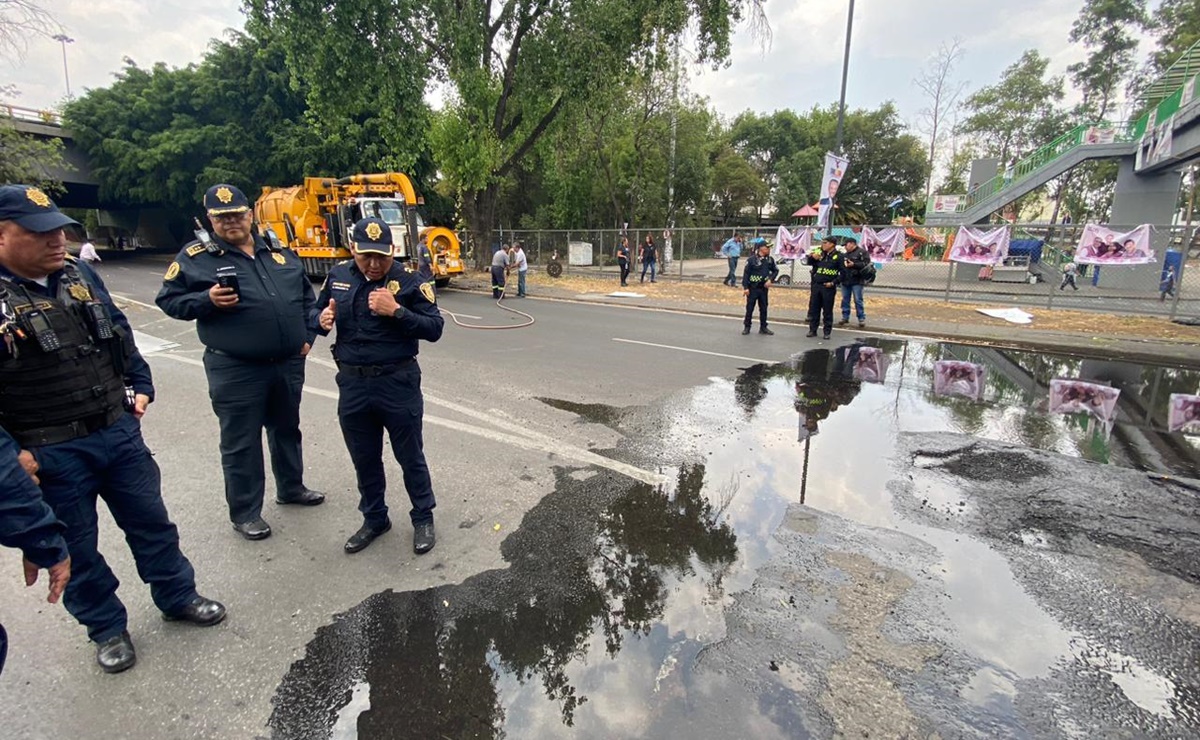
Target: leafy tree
[1110,31]
[1019,112]
[1178,25]
[29,160]
[736,185]
[511,68]
[768,141]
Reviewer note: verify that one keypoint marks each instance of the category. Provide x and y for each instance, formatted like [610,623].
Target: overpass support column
[1144,199]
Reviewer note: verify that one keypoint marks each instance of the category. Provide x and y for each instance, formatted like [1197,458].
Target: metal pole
[64,40]
[950,279]
[845,71]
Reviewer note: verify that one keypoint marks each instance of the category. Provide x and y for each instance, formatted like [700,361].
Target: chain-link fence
[1030,276]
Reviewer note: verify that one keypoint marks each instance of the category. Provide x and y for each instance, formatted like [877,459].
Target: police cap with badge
[31,209]
[372,236]
[222,199]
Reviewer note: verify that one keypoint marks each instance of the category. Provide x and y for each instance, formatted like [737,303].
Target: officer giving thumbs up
[328,315]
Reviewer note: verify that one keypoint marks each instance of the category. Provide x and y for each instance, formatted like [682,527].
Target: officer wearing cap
[757,279]
[250,300]
[73,389]
[381,311]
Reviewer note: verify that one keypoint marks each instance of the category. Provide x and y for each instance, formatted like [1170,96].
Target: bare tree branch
[943,93]
[21,20]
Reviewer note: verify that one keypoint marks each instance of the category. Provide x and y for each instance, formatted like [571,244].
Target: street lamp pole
[64,39]
[845,71]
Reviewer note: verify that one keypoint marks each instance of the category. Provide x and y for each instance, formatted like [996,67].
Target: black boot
[116,654]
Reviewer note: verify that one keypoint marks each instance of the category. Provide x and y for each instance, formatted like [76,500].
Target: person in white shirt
[88,253]
[522,265]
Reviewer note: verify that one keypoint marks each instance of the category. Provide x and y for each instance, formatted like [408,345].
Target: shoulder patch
[194,250]
[427,291]
[172,271]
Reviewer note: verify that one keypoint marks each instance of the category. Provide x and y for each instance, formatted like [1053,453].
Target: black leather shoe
[746,330]
[202,611]
[765,330]
[811,334]
[307,497]
[365,536]
[423,538]
[827,335]
[843,322]
[255,529]
[116,654]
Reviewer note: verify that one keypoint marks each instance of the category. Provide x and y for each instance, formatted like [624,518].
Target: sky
[892,41]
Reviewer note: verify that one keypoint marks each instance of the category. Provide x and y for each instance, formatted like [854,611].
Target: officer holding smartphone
[250,299]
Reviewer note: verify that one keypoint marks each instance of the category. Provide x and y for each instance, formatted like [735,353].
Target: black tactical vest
[47,397]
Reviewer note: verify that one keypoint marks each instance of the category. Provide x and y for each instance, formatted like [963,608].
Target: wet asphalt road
[623,552]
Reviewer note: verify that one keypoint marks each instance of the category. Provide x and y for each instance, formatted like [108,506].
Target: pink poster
[1100,245]
[980,247]
[1068,396]
[955,378]
[1183,413]
[792,246]
[883,245]
[871,365]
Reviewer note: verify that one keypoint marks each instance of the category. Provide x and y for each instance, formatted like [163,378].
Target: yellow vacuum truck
[315,220]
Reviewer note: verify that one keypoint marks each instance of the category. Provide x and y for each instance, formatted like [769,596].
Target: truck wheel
[441,282]
[554,269]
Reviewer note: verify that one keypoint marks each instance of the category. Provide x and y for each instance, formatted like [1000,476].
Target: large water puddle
[614,588]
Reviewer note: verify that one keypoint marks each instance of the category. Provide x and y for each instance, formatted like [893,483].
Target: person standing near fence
[649,258]
[855,262]
[1166,286]
[623,259]
[826,265]
[522,265]
[731,251]
[500,263]
[760,273]
[1069,271]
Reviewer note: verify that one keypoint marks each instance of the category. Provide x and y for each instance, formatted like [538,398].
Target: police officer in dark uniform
[73,389]
[250,300]
[826,265]
[28,524]
[757,279]
[381,311]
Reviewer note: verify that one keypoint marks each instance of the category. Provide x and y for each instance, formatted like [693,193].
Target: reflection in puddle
[614,589]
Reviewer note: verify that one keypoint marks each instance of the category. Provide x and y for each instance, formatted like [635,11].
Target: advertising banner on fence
[1183,413]
[947,203]
[1069,396]
[1099,135]
[955,378]
[792,245]
[980,247]
[1157,143]
[831,180]
[1100,245]
[883,245]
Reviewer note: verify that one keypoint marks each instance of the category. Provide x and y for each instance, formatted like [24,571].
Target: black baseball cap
[31,209]
[223,198]
[372,236]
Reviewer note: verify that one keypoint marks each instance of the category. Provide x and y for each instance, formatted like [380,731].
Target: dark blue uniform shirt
[270,320]
[364,338]
[758,271]
[137,371]
[26,522]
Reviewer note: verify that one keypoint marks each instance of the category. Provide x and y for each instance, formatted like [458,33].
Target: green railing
[1168,107]
[1082,135]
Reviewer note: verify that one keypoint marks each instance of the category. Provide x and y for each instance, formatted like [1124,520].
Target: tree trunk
[479,209]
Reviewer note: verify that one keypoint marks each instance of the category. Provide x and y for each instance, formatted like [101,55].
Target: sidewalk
[1142,338]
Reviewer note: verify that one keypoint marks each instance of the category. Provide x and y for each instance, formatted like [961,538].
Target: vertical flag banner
[831,180]
[1100,245]
[956,378]
[883,245]
[1069,396]
[792,246]
[979,247]
[1183,413]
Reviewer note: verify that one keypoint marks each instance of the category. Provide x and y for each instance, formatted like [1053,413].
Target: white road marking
[149,345]
[514,434]
[696,351]
[127,299]
[461,315]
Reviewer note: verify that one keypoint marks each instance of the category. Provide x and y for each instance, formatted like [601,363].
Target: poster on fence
[792,245]
[883,245]
[980,247]
[1070,396]
[831,180]
[1100,245]
[957,378]
[1099,135]
[871,366]
[948,203]
[1183,413]
[1157,143]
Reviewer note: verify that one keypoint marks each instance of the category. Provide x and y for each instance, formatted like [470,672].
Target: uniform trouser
[756,297]
[649,265]
[624,270]
[497,282]
[521,282]
[820,307]
[113,464]
[247,397]
[367,407]
[731,278]
[855,291]
[1068,280]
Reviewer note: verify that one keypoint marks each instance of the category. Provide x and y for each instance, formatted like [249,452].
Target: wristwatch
[398,312]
